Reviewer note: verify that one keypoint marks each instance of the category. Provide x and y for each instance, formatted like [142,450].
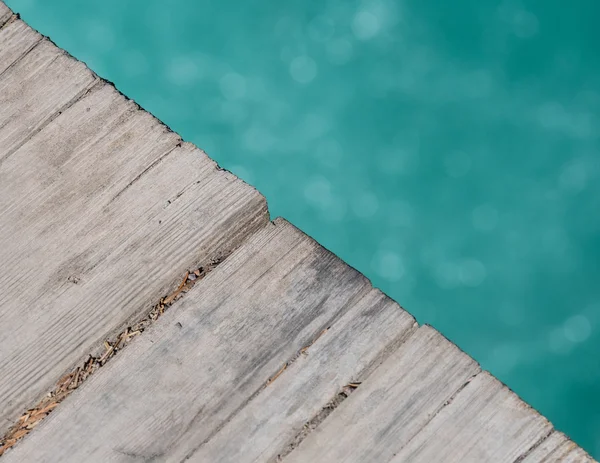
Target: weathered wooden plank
[102,213]
[485,422]
[183,379]
[35,89]
[557,448]
[16,39]
[271,423]
[5,13]
[393,404]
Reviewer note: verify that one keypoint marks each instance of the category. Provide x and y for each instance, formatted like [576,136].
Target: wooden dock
[151,311]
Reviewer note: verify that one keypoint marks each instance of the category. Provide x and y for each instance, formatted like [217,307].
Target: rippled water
[448,150]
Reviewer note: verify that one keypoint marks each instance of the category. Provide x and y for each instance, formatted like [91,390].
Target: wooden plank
[16,39]
[183,379]
[393,404]
[102,214]
[485,422]
[274,420]
[5,13]
[35,89]
[557,448]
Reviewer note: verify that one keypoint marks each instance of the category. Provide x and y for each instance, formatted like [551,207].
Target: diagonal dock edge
[94,361]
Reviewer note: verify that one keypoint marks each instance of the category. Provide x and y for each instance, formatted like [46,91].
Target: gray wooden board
[5,13]
[101,215]
[35,89]
[486,422]
[392,405]
[346,353]
[16,39]
[184,378]
[557,448]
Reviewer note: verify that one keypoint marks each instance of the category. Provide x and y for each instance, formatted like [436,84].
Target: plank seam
[10,19]
[146,170]
[324,328]
[304,350]
[79,96]
[69,382]
[312,424]
[539,442]
[101,79]
[440,408]
[23,55]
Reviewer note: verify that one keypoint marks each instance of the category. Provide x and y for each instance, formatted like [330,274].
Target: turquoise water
[450,153]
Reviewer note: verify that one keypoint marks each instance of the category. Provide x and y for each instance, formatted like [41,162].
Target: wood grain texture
[346,353]
[557,448]
[5,13]
[102,214]
[183,379]
[392,405]
[16,39]
[35,89]
[486,422]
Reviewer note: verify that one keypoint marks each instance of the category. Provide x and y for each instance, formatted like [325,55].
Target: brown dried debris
[316,420]
[303,351]
[71,381]
[276,375]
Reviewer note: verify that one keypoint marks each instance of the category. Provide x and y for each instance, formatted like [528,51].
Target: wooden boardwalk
[235,339]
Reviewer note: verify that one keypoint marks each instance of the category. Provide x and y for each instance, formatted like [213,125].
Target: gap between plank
[84,92]
[29,50]
[72,380]
[316,421]
[97,82]
[341,396]
[534,446]
[11,20]
[357,297]
[444,405]
[146,170]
